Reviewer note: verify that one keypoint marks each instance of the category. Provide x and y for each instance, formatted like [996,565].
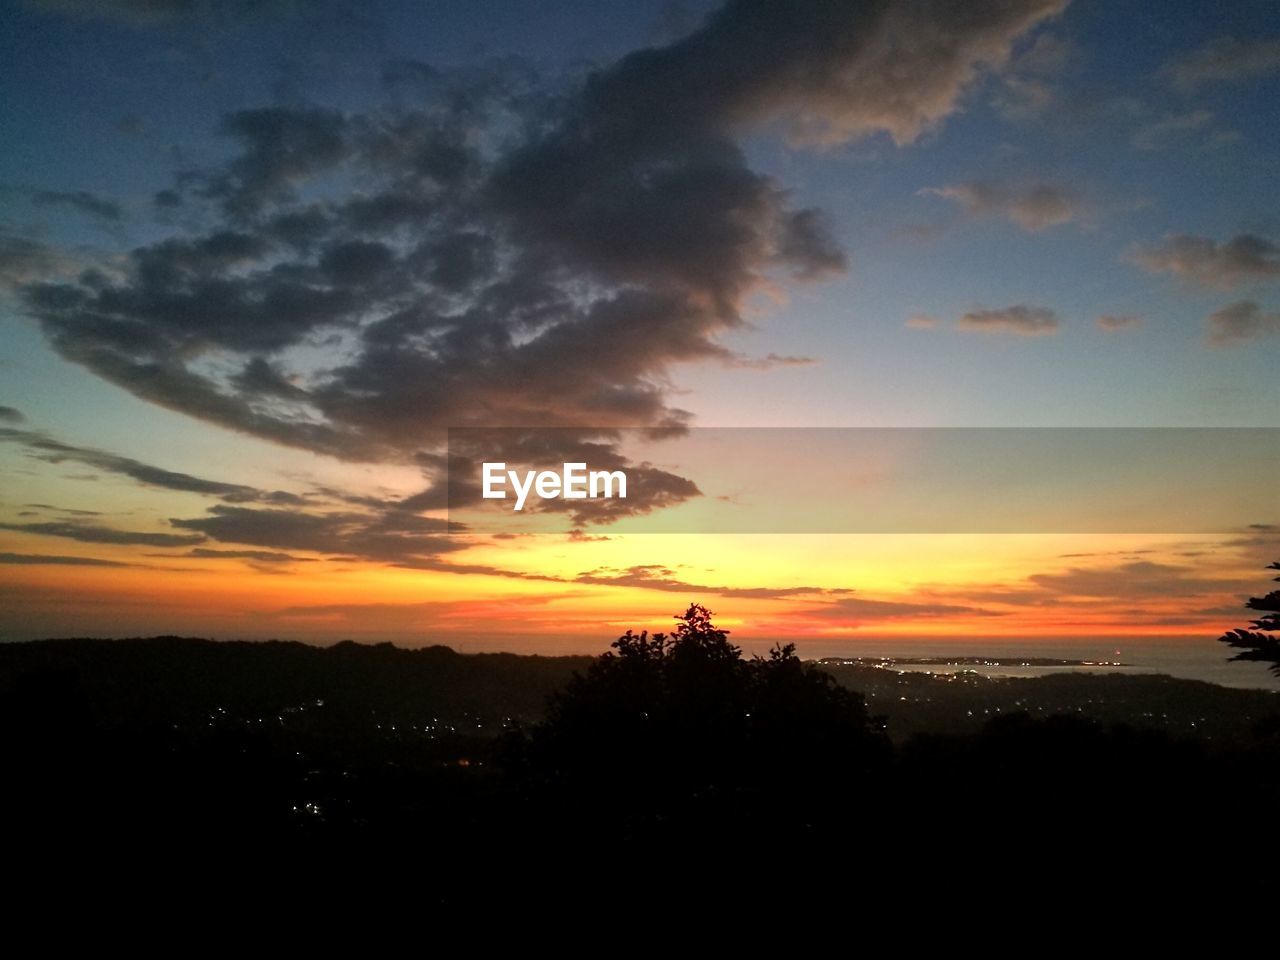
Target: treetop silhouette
[1258,642]
[685,716]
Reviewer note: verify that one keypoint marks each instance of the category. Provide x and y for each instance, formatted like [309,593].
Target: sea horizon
[1183,658]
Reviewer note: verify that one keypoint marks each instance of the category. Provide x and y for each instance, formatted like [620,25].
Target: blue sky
[115,104]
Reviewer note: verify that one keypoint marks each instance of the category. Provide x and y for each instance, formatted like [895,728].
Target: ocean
[1205,660]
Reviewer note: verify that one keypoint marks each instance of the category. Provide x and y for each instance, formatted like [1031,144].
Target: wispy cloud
[659,577]
[90,533]
[1019,320]
[1225,60]
[860,609]
[1033,208]
[1206,262]
[81,200]
[391,536]
[44,559]
[24,260]
[1241,322]
[54,451]
[1029,87]
[260,556]
[1138,578]
[771,361]
[1156,134]
[1115,322]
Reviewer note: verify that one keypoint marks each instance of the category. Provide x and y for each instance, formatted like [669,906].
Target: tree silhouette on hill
[672,722]
[1259,641]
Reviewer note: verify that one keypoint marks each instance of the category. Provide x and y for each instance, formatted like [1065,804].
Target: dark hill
[962,703]
[182,680]
[355,753]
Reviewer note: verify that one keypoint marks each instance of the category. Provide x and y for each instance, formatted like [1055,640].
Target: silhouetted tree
[1260,643]
[673,723]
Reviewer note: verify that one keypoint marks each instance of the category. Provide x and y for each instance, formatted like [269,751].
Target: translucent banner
[864,480]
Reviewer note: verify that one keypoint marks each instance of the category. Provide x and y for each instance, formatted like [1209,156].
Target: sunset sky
[257,258]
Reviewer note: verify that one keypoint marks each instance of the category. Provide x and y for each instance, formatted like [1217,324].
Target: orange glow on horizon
[547,594]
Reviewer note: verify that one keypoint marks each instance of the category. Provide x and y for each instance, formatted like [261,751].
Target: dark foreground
[456,768]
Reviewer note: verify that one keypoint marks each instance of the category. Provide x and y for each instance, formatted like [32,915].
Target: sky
[257,259]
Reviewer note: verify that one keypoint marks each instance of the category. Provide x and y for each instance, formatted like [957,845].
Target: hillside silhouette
[667,743]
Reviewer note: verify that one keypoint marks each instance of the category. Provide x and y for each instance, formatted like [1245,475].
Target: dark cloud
[1139,578]
[1019,320]
[1225,59]
[1206,262]
[261,556]
[1241,322]
[649,488]
[54,451]
[280,148]
[574,536]
[11,415]
[771,361]
[1106,553]
[858,607]
[827,72]
[24,261]
[86,533]
[1131,579]
[1032,208]
[493,248]
[38,559]
[441,565]
[659,577]
[640,576]
[390,537]
[261,377]
[67,510]
[81,200]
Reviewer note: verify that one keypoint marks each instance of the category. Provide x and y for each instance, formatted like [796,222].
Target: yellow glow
[561,595]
